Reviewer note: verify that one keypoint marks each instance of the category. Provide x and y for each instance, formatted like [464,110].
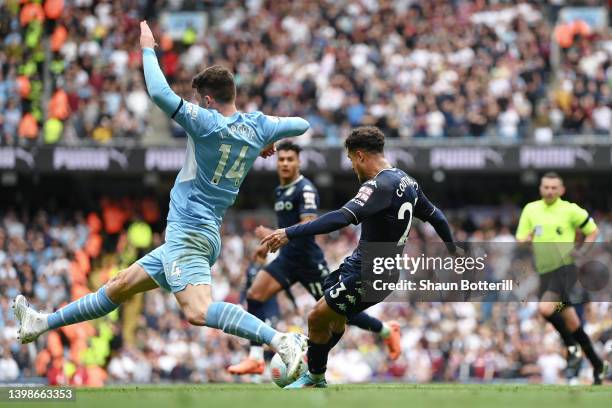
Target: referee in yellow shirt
[551,224]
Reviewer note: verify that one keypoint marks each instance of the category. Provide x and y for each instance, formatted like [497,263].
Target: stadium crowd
[56,257]
[415,69]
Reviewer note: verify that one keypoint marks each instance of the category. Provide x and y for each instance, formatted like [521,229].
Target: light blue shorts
[185,258]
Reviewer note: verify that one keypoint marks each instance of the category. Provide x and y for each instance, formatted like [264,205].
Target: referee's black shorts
[561,283]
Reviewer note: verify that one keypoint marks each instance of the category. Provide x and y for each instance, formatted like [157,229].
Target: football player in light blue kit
[222,145]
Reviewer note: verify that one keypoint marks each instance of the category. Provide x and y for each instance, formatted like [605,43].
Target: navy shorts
[345,291]
[310,274]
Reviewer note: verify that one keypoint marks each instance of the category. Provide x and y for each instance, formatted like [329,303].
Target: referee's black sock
[557,321]
[586,345]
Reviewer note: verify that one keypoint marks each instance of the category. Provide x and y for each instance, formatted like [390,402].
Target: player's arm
[157,86]
[369,200]
[427,212]
[195,120]
[276,128]
[329,222]
[582,220]
[308,204]
[524,229]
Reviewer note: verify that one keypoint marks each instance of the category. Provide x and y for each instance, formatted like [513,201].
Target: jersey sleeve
[196,120]
[524,226]
[276,128]
[423,208]
[581,219]
[308,201]
[372,197]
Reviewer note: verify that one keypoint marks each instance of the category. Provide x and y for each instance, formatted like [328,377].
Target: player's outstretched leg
[199,309]
[92,306]
[263,288]
[388,331]
[325,329]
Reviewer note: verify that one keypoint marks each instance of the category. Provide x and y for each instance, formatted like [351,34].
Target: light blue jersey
[220,152]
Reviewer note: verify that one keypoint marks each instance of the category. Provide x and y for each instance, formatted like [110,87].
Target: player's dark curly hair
[368,138]
[288,145]
[216,81]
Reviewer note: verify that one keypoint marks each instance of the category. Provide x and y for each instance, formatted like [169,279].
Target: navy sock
[256,308]
[317,357]
[318,353]
[366,322]
[335,338]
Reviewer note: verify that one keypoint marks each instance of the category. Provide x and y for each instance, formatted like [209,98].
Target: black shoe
[600,373]
[574,359]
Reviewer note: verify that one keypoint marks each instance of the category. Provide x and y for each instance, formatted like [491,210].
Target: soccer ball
[278,370]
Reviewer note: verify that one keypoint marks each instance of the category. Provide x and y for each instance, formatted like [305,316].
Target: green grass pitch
[337,396]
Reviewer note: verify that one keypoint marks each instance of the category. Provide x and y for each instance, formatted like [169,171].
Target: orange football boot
[247,366]
[393,341]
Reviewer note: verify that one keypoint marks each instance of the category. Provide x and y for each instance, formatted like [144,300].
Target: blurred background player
[223,144]
[301,260]
[551,224]
[384,205]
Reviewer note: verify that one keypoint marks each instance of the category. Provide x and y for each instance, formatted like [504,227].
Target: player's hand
[261,232]
[261,253]
[275,240]
[268,151]
[146,36]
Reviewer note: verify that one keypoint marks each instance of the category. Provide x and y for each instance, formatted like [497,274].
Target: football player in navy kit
[384,206]
[301,260]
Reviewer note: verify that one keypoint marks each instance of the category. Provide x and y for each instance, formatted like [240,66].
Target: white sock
[276,340]
[256,353]
[385,332]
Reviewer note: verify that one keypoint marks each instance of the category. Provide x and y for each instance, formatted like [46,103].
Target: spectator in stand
[416,69]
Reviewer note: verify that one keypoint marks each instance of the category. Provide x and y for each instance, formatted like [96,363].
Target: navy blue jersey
[293,201]
[384,206]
